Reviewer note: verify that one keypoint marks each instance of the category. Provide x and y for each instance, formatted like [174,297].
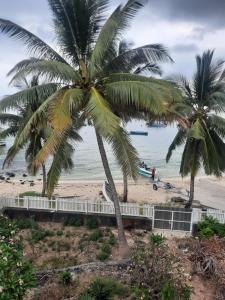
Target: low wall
[129,222]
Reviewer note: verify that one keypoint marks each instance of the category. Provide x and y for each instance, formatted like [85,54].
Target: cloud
[209,13]
[182,48]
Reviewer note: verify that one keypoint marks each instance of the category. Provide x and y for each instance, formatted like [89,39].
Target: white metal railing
[76,205]
[85,206]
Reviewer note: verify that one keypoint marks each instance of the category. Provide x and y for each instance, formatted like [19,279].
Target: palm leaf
[34,44]
[99,111]
[50,69]
[29,95]
[178,141]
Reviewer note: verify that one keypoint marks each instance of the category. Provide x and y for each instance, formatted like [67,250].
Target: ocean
[88,166]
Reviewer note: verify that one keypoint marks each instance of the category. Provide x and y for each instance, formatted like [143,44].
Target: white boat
[144,172]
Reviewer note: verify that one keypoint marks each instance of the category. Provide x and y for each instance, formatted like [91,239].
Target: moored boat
[138,133]
[156,124]
[144,172]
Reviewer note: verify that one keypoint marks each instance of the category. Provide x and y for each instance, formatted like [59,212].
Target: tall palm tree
[25,103]
[203,136]
[92,79]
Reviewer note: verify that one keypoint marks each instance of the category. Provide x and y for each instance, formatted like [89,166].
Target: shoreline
[210,191]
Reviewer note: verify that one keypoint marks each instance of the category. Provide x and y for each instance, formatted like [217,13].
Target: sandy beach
[209,191]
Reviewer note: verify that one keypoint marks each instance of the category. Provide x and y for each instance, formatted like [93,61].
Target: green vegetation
[95,78]
[73,222]
[156,238]
[16,273]
[209,227]
[92,223]
[104,289]
[95,235]
[156,273]
[202,131]
[30,193]
[25,223]
[39,234]
[65,278]
[105,251]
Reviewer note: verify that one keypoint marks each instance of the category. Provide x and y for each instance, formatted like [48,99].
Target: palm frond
[28,95]
[150,95]
[34,44]
[61,110]
[99,111]
[112,29]
[50,69]
[125,153]
[217,124]
[134,58]
[178,141]
[11,119]
[62,160]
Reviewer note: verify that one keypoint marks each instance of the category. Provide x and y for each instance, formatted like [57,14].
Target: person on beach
[153,173]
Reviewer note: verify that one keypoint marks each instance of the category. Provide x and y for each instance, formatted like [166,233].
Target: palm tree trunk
[192,189]
[125,187]
[44,181]
[124,250]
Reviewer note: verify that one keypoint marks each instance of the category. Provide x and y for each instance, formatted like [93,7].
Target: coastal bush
[73,222]
[112,239]
[209,227]
[156,273]
[65,278]
[30,193]
[16,273]
[95,235]
[59,233]
[105,289]
[105,251]
[39,234]
[156,238]
[92,223]
[25,223]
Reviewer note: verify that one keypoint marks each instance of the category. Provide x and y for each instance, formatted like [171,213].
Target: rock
[2,177]
[10,174]
[32,184]
[24,175]
[22,182]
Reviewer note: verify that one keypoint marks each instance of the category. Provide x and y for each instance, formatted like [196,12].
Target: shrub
[73,222]
[39,234]
[210,226]
[16,275]
[59,233]
[105,289]
[95,235]
[156,273]
[65,278]
[112,239]
[30,193]
[157,238]
[92,223]
[102,256]
[106,248]
[25,223]
[86,296]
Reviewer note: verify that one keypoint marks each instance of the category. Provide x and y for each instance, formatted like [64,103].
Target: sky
[186,28]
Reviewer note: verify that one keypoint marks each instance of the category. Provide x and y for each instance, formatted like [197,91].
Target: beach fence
[162,217]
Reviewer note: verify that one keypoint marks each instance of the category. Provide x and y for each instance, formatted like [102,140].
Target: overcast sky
[186,28]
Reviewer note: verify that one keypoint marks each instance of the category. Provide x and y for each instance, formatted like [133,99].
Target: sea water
[88,166]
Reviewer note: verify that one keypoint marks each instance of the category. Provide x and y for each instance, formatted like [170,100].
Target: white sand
[209,191]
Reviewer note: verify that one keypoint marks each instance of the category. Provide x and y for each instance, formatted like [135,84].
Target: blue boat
[144,172]
[138,133]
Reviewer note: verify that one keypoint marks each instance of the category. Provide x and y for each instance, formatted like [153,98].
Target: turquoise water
[88,166]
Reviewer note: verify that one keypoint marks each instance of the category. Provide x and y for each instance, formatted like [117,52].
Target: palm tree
[25,103]
[92,80]
[203,136]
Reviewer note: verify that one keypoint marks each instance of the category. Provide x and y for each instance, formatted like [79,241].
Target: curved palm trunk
[192,189]
[44,181]
[125,188]
[121,235]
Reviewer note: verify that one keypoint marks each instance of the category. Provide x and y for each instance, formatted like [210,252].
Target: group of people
[152,170]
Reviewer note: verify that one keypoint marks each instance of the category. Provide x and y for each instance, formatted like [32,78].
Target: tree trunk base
[124,250]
